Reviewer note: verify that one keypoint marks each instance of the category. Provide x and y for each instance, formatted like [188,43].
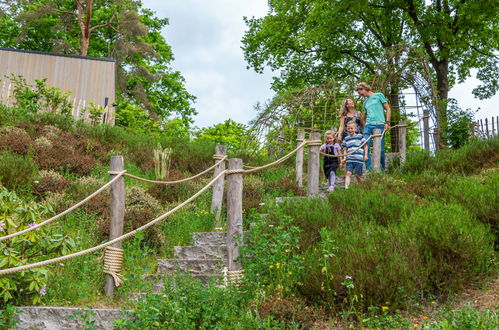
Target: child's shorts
[355,167]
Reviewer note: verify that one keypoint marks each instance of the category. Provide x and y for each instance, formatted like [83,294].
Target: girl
[347,114]
[331,147]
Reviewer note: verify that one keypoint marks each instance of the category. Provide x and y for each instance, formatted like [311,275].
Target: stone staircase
[204,259]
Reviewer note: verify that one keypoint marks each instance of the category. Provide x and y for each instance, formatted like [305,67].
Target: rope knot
[219,157]
[313,143]
[116,172]
[113,257]
[232,277]
[235,171]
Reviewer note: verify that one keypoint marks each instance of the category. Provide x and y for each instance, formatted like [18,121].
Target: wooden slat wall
[89,80]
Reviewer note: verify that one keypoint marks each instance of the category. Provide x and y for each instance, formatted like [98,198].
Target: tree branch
[95,27]
[367,64]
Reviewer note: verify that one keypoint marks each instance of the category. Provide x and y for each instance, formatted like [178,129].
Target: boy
[356,160]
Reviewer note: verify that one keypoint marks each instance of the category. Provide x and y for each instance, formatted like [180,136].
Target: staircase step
[59,318]
[157,279]
[210,238]
[200,252]
[170,266]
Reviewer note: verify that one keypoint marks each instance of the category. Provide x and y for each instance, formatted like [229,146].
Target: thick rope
[232,277]
[55,217]
[177,181]
[117,239]
[313,143]
[113,258]
[277,162]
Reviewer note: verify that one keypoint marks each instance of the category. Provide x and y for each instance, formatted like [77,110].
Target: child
[355,161]
[331,147]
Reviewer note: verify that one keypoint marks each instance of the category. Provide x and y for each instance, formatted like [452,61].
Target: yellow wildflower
[385,308]
[425,317]
[415,325]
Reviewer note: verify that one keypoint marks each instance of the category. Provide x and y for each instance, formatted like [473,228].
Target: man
[375,106]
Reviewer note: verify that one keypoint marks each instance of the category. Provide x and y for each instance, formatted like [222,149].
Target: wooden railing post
[313,164]
[218,187]
[426,129]
[487,127]
[117,213]
[376,156]
[436,138]
[234,212]
[402,141]
[299,160]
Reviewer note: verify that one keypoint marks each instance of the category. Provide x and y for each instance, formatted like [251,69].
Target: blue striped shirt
[351,143]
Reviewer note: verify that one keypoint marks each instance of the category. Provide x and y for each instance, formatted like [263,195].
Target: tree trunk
[442,71]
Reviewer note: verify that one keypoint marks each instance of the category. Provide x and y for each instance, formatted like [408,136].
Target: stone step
[157,279]
[193,266]
[200,252]
[209,238]
[60,318]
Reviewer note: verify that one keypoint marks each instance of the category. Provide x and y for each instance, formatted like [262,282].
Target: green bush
[186,303]
[28,286]
[454,247]
[16,170]
[467,318]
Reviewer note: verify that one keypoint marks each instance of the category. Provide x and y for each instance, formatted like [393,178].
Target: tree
[237,137]
[120,29]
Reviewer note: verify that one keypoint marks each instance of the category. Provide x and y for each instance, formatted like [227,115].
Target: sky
[205,36]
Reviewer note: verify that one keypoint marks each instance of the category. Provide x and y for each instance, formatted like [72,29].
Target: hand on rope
[55,217]
[221,159]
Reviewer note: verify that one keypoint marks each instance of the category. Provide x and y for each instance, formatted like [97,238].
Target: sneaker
[331,188]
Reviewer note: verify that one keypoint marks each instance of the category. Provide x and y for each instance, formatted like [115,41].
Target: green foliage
[460,122]
[275,261]
[39,97]
[467,318]
[7,319]
[16,170]
[27,286]
[236,137]
[186,303]
[95,113]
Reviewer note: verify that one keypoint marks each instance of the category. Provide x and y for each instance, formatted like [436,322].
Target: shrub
[15,140]
[186,303]
[28,286]
[50,181]
[16,170]
[454,247]
[467,318]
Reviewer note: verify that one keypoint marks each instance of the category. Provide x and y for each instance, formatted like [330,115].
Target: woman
[348,113]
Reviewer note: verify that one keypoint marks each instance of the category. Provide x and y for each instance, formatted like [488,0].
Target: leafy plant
[16,170]
[27,286]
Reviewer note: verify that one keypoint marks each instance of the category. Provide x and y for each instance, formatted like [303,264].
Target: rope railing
[277,162]
[63,213]
[117,239]
[222,159]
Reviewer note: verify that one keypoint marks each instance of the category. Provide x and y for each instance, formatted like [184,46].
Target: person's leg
[368,131]
[358,172]
[332,179]
[347,179]
[382,159]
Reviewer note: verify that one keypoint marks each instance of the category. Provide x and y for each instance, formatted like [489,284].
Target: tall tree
[457,36]
[121,29]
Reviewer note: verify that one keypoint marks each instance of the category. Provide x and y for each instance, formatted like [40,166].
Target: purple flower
[31,224]
[43,291]
[2,224]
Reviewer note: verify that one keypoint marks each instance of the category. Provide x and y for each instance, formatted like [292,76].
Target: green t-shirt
[373,107]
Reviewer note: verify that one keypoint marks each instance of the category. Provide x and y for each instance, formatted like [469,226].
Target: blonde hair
[330,132]
[344,108]
[363,85]
[351,123]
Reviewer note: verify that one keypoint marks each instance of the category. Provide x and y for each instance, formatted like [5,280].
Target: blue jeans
[368,131]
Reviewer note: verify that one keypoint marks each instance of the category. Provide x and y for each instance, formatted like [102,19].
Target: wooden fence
[485,128]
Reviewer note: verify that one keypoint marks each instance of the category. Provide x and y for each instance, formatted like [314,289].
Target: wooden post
[299,160]
[481,125]
[234,212]
[402,141]
[313,164]
[376,156]
[280,142]
[493,127]
[436,138]
[487,126]
[426,129]
[218,187]
[497,124]
[117,213]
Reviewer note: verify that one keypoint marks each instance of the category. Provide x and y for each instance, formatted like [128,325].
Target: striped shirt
[351,143]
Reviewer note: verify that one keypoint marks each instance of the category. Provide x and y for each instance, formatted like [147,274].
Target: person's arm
[388,115]
[365,153]
[362,120]
[342,127]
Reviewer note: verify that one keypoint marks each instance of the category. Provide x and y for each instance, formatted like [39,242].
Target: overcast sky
[205,36]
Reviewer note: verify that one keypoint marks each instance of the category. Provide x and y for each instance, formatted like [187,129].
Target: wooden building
[88,79]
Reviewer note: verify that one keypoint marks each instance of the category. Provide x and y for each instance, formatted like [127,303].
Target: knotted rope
[111,242]
[277,162]
[232,277]
[55,217]
[176,181]
[113,258]
[314,143]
